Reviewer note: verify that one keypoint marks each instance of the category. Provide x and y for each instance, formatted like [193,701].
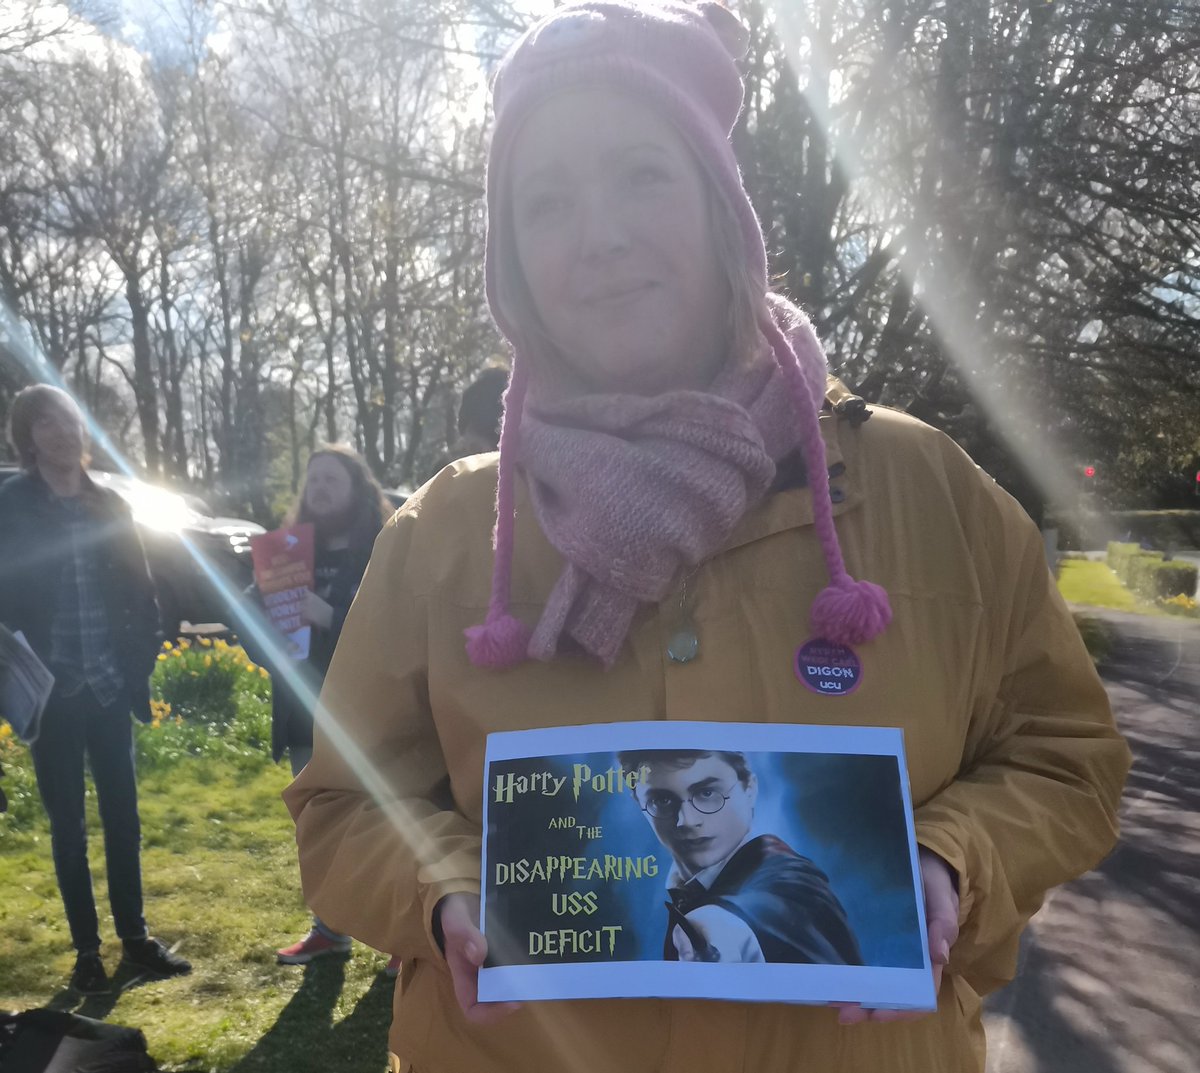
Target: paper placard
[25,685]
[735,861]
[284,574]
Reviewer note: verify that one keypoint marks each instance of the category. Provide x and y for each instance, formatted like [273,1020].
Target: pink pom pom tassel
[500,642]
[851,612]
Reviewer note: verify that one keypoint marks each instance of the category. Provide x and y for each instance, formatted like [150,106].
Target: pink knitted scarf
[633,490]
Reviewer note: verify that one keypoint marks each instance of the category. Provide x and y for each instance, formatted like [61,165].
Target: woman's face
[328,489]
[611,221]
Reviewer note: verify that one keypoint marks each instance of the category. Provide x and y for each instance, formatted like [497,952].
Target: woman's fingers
[941,925]
[466,950]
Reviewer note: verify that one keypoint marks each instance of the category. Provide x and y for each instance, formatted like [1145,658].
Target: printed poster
[284,574]
[737,861]
[25,685]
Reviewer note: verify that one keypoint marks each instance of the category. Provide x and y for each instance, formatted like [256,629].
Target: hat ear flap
[728,27]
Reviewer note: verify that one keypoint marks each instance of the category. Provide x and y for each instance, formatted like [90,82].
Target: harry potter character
[733,897]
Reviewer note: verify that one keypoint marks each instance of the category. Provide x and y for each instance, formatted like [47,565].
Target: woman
[344,504]
[675,514]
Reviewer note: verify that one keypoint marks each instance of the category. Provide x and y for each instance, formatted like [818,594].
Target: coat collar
[792,509]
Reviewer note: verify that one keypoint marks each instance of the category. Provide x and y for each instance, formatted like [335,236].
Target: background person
[74,580]
[733,897]
[479,413]
[664,472]
[346,507]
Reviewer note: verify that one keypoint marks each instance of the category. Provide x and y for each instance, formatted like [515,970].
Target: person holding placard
[344,504]
[682,504]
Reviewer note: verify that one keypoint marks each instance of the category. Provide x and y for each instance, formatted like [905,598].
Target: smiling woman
[670,470]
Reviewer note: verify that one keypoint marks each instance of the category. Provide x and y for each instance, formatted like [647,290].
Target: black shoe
[89,977]
[152,954]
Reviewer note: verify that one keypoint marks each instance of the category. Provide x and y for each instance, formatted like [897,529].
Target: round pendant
[683,646]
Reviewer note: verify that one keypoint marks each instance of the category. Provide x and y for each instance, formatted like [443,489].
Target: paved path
[1110,968]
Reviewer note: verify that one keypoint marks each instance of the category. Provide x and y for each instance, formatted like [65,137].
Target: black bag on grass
[52,1041]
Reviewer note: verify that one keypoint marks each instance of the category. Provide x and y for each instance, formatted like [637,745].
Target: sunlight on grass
[220,879]
[1095,585]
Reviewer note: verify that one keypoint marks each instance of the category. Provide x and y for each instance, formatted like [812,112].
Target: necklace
[684,644]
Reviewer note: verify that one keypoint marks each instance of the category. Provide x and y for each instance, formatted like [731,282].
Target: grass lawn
[220,878]
[1094,584]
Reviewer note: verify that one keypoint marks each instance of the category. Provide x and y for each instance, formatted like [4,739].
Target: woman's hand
[316,612]
[465,949]
[941,925]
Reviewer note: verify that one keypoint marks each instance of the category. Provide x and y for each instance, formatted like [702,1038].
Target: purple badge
[828,668]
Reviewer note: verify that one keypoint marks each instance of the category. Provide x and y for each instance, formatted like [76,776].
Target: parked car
[192,555]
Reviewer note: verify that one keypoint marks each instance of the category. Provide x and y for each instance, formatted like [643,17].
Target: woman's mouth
[622,294]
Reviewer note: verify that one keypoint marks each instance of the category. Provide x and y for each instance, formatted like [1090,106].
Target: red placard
[283,571]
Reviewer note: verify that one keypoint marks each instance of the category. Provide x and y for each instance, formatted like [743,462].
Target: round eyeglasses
[664,805]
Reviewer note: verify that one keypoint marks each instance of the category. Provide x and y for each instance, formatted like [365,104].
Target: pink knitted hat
[680,59]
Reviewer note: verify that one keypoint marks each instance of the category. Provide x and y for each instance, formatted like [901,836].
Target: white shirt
[728,933]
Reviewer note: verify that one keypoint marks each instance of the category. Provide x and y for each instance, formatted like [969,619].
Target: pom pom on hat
[851,612]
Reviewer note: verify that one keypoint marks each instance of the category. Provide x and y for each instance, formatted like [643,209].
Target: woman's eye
[540,206]
[647,175]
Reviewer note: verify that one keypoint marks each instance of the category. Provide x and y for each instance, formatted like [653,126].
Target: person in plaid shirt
[74,580]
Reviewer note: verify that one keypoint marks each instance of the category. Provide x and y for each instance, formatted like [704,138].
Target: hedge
[1158,528]
[1147,575]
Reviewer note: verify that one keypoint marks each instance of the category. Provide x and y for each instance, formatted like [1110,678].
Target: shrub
[1139,571]
[1161,528]
[208,699]
[1147,575]
[19,784]
[1180,605]
[1096,637]
[201,681]
[1118,555]
[1170,579]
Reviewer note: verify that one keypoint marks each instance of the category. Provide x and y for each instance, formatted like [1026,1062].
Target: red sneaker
[313,945]
[392,969]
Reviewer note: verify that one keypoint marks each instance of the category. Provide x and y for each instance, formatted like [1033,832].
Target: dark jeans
[72,727]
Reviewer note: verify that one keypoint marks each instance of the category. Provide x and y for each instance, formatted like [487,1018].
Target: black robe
[784,898]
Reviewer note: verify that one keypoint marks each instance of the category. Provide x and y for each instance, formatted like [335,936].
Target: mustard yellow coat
[1015,765]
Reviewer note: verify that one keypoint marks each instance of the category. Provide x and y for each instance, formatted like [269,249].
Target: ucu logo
[828,668]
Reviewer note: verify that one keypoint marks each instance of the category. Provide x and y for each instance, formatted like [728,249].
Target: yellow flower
[205,642]
[166,646]
[185,644]
[208,661]
[162,655]
[5,731]
[262,672]
[195,674]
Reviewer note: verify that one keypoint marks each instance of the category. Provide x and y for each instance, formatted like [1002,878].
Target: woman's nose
[603,226]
